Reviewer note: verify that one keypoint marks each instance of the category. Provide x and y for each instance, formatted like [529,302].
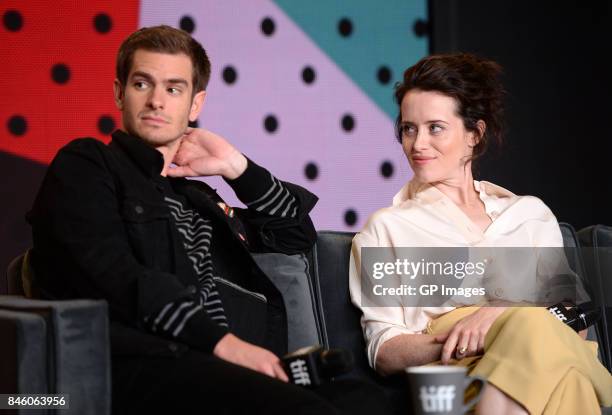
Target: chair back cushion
[20,276]
[340,318]
[13,276]
[291,276]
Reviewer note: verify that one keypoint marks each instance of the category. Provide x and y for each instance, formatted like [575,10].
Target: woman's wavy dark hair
[474,84]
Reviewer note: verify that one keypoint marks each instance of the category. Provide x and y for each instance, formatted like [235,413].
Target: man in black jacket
[196,326]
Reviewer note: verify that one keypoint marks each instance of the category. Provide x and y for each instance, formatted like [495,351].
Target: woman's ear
[477,135]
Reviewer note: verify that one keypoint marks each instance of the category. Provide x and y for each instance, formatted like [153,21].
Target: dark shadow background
[557,76]
[20,181]
[558,112]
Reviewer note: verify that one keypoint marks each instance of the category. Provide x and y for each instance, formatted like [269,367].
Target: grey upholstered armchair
[53,347]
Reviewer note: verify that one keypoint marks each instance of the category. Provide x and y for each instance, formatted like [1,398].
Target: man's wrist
[223,344]
[236,165]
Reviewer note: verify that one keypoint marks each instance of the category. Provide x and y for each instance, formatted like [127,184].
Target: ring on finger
[461,350]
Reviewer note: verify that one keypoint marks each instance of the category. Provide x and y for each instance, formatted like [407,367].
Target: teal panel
[382,35]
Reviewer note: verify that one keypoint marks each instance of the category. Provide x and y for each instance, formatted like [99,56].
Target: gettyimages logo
[437,398]
[457,276]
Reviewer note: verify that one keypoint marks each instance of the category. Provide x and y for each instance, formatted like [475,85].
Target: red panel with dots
[58,70]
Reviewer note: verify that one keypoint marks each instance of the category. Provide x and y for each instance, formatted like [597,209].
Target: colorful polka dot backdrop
[303,88]
[58,71]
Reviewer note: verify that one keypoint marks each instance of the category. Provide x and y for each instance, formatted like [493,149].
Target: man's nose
[156,98]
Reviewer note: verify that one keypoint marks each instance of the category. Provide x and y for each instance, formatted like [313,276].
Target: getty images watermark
[451,276]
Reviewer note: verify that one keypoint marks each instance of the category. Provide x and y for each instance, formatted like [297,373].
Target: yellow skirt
[537,361]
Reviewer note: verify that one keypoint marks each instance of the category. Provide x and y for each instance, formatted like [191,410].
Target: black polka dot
[187,24]
[194,124]
[384,75]
[103,23]
[60,73]
[13,21]
[420,28]
[348,122]
[17,125]
[268,26]
[386,169]
[350,217]
[311,171]
[106,124]
[345,27]
[270,123]
[229,74]
[308,75]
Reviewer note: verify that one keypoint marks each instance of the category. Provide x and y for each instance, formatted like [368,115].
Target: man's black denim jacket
[101,229]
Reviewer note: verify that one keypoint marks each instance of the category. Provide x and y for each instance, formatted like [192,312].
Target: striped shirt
[196,234]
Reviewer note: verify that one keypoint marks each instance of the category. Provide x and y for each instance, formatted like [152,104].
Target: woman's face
[434,138]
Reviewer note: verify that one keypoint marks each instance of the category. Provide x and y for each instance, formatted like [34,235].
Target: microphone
[578,317]
[312,365]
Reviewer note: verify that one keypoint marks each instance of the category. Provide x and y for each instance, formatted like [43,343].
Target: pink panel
[269,82]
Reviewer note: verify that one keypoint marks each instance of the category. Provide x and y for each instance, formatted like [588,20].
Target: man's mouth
[152,119]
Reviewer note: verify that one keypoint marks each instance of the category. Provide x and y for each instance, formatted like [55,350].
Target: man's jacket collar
[148,159]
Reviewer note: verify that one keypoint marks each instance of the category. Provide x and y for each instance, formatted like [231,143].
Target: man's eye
[140,85]
[174,91]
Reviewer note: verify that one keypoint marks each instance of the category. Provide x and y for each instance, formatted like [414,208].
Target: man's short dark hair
[164,39]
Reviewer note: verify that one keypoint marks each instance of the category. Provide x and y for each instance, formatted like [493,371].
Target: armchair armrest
[71,340]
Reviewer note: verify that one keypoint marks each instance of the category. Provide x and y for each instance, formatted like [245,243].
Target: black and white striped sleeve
[276,201]
[187,321]
[277,218]
[261,191]
[172,318]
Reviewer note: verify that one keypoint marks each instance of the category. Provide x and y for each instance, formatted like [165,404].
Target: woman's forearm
[406,350]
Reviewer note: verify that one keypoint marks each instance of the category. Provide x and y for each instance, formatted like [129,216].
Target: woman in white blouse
[450,109]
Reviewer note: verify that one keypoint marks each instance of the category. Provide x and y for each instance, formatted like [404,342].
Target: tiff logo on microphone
[299,372]
[557,313]
[437,398]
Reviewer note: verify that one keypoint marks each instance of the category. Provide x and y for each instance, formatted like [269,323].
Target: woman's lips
[422,160]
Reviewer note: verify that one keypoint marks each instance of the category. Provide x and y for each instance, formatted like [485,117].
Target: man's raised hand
[203,153]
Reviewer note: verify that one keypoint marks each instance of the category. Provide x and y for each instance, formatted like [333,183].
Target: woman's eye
[408,130]
[435,128]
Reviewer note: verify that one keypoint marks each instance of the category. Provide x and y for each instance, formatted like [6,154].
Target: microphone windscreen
[335,362]
[589,313]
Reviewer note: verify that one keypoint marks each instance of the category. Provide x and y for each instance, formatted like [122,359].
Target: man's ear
[119,94]
[475,137]
[196,105]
